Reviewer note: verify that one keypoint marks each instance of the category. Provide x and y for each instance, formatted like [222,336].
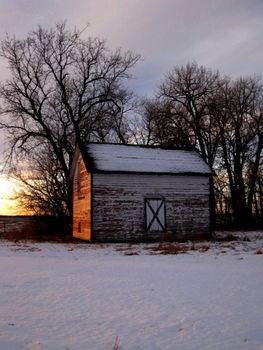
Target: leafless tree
[240,121]
[159,124]
[43,185]
[63,90]
[222,119]
[190,92]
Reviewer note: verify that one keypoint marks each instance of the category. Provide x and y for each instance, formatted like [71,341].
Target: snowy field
[105,297]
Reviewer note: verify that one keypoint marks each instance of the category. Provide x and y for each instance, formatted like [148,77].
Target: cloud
[165,32]
[225,34]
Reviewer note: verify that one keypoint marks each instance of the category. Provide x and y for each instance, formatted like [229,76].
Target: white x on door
[155,214]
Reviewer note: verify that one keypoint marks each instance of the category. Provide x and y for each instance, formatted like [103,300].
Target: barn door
[155,214]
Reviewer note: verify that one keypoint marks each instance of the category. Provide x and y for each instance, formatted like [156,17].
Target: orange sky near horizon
[8,205]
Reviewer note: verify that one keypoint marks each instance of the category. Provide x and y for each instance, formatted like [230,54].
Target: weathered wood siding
[119,205]
[81,202]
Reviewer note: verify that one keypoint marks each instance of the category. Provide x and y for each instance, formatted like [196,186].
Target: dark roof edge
[96,171]
[190,149]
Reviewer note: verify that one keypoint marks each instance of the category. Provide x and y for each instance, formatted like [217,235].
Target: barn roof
[141,159]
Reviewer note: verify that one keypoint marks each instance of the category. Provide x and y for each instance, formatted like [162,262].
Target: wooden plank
[120,210]
[81,202]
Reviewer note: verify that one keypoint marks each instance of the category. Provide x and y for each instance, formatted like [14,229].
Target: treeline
[223,119]
[65,90]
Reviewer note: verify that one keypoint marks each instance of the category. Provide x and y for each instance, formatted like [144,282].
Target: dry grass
[169,248]
[130,253]
[173,248]
[223,237]
[116,344]
[127,249]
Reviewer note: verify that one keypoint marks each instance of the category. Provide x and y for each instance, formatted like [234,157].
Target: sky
[220,34]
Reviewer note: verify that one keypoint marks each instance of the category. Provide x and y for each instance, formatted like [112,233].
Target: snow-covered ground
[81,296]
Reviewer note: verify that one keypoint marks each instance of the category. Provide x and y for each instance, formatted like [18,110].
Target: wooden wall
[81,202]
[119,205]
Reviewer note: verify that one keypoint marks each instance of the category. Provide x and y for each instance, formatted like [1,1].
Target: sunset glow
[8,205]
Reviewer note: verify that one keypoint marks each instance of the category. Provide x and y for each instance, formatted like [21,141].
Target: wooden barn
[136,193]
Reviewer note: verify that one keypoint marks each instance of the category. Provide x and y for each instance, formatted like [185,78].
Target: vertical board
[82,202]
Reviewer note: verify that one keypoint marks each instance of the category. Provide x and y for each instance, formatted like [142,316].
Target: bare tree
[240,120]
[63,90]
[222,119]
[115,127]
[258,197]
[190,92]
[43,185]
[158,119]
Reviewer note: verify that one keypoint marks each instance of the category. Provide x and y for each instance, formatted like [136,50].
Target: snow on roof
[127,158]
